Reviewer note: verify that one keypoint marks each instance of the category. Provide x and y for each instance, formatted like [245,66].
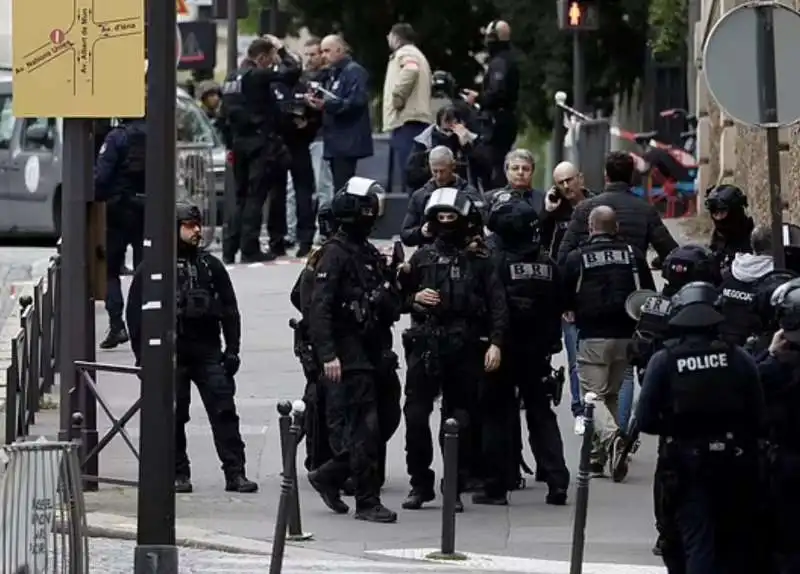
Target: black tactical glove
[231,363]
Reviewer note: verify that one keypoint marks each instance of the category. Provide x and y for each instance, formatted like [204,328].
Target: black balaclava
[453,233]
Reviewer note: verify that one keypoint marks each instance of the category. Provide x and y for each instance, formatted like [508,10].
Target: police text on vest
[703,362]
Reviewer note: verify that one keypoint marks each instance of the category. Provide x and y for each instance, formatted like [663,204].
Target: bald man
[566,193]
[346,127]
[498,97]
[598,278]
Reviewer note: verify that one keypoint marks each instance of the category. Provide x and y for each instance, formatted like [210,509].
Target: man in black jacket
[640,224]
[415,231]
[559,204]
[469,150]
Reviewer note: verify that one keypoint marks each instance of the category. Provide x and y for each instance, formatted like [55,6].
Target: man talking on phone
[559,203]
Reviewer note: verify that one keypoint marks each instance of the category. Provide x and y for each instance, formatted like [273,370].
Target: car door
[6,136]
[31,174]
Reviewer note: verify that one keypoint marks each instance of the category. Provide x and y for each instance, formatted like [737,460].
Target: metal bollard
[287,486]
[582,488]
[449,495]
[284,423]
[76,430]
[24,303]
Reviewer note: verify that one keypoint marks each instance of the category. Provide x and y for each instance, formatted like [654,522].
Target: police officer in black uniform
[119,181]
[727,205]
[703,398]
[533,294]
[459,318]
[299,126]
[250,120]
[206,307]
[498,98]
[353,305]
[779,368]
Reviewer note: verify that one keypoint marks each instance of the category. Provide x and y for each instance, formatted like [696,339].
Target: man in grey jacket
[639,223]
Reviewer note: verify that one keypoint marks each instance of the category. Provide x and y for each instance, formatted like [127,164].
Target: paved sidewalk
[620,529]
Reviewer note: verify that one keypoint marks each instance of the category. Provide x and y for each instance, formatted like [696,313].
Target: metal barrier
[34,354]
[195,182]
[42,512]
[84,422]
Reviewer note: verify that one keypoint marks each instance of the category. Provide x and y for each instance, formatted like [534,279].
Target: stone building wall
[733,153]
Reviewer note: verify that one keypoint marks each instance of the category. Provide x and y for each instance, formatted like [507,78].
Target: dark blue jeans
[401,142]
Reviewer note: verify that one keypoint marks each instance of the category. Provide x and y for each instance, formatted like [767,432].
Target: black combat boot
[376,513]
[240,483]
[115,337]
[330,495]
[183,485]
[417,497]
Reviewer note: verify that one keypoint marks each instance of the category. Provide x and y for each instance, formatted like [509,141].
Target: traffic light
[578,15]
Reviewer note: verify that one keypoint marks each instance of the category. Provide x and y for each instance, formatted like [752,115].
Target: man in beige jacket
[406,96]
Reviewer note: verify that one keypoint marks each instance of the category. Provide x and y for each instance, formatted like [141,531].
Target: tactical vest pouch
[700,392]
[198,304]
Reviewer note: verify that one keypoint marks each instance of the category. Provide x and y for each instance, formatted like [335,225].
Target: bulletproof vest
[452,275]
[196,297]
[130,180]
[530,286]
[608,275]
[654,318]
[233,101]
[708,397]
[741,319]
[291,101]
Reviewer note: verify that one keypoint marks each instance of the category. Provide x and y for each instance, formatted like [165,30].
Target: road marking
[491,563]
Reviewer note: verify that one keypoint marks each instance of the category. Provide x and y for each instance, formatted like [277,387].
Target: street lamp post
[156,552]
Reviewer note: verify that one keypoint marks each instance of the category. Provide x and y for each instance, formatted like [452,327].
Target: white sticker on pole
[32,174]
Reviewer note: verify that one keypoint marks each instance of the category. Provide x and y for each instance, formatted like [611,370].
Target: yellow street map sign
[78,58]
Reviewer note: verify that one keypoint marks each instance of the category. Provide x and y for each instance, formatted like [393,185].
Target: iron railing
[195,182]
[34,354]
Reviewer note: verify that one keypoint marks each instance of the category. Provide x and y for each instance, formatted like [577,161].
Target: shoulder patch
[322,275]
[103,148]
[502,197]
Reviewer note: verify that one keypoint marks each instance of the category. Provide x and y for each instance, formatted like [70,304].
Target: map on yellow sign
[78,58]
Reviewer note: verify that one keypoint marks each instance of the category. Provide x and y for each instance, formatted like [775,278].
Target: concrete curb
[102,525]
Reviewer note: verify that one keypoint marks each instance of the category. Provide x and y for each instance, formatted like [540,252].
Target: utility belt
[435,343]
[728,444]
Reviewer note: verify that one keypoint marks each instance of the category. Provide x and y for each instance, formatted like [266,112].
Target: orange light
[574,14]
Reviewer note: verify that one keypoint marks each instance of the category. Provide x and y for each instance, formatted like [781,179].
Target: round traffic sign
[731,63]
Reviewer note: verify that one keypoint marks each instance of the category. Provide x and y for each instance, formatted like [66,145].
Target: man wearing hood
[740,284]
[442,163]
[471,153]
[498,97]
[727,205]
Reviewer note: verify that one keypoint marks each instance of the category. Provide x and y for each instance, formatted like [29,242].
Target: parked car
[31,162]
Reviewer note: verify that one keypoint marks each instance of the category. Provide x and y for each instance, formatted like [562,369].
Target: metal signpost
[156,552]
[57,74]
[750,68]
[578,16]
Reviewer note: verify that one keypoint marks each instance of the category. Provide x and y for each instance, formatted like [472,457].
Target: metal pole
[289,471]
[156,552]
[76,322]
[582,488]
[273,17]
[557,143]
[579,97]
[449,493]
[233,37]
[284,425]
[768,98]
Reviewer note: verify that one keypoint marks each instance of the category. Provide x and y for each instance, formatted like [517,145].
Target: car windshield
[192,123]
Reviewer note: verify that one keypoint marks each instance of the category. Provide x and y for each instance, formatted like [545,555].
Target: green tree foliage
[669,24]
[450,31]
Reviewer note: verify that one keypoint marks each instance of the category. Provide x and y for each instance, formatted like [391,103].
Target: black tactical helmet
[443,84]
[447,200]
[762,300]
[786,301]
[357,203]
[515,221]
[725,198]
[695,306]
[327,222]
[186,212]
[689,263]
